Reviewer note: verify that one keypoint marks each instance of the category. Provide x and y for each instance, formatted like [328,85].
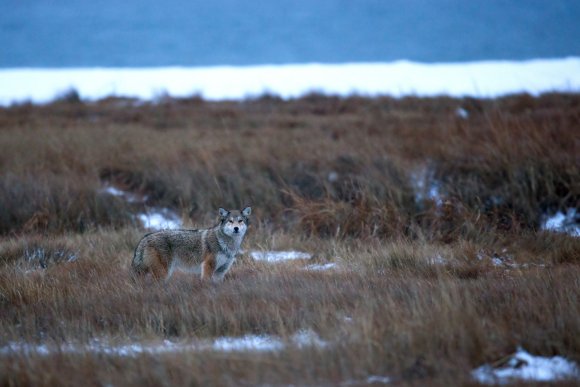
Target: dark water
[66,33]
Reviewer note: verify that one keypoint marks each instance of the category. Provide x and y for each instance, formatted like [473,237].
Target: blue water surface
[131,33]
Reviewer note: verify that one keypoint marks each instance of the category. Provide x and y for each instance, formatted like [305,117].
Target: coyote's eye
[231,221]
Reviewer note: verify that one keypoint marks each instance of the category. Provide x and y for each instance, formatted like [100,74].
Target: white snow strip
[524,366]
[568,223]
[159,219]
[321,267]
[278,256]
[247,343]
[131,349]
[94,347]
[265,343]
[400,78]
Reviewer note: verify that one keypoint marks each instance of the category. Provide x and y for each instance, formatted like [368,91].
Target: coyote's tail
[137,263]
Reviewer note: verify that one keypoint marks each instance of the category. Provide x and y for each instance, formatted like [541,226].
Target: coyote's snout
[209,252]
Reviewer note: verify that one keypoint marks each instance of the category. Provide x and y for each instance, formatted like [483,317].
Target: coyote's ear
[224,213]
[247,211]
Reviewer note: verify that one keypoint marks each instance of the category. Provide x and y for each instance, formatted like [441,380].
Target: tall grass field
[422,220]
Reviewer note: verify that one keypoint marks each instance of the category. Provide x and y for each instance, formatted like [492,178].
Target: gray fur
[209,252]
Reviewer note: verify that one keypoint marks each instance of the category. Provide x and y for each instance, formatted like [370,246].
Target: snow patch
[247,343]
[426,186]
[322,267]
[266,343]
[159,219]
[154,218]
[131,349]
[128,196]
[259,343]
[568,222]
[113,191]
[462,113]
[524,366]
[400,78]
[279,256]
[94,347]
[436,260]
[308,338]
[332,176]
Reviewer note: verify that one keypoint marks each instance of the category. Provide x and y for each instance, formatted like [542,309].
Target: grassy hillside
[430,208]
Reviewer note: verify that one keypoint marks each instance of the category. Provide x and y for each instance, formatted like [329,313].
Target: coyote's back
[209,252]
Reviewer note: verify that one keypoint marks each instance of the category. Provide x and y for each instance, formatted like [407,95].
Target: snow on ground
[436,260]
[308,338]
[462,113]
[278,256]
[94,347]
[524,366]
[159,219]
[247,343]
[568,222]
[426,187]
[281,256]
[265,343]
[400,78]
[259,343]
[128,196]
[321,266]
[153,218]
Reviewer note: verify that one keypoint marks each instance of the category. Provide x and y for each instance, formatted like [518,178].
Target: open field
[432,211]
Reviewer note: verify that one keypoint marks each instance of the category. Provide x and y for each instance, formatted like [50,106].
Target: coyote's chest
[223,259]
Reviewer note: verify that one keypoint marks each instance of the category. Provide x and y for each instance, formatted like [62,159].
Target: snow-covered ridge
[478,79]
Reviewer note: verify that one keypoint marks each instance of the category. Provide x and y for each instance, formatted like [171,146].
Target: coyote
[209,252]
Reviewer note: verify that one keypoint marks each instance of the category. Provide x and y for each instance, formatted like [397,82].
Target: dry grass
[509,162]
[415,296]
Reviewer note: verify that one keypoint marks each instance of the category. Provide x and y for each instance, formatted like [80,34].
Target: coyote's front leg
[208,266]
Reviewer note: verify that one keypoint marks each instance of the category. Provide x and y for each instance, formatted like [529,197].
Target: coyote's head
[234,223]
